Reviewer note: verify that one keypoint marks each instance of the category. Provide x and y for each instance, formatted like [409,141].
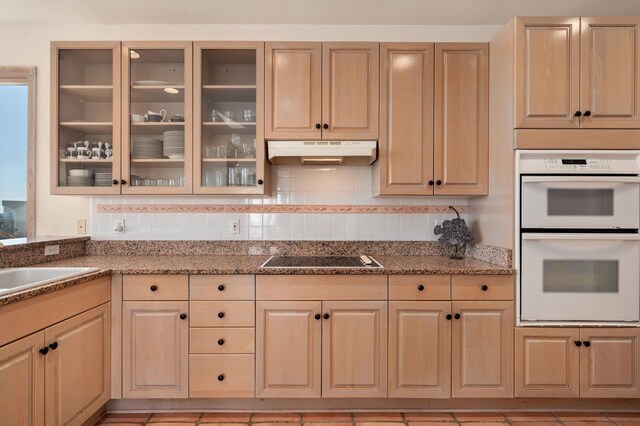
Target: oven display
[577,164]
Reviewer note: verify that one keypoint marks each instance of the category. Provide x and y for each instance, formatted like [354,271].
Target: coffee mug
[84,154]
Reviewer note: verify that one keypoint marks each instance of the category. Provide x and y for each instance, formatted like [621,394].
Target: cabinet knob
[448,317]
[484,287]
[53,346]
[116,181]
[325,316]
[221,342]
[153,287]
[438,182]
[221,287]
[44,350]
[318,125]
[317,316]
[260,181]
[586,343]
[325,126]
[578,114]
[587,113]
[122,181]
[578,343]
[420,287]
[430,183]
[221,377]
[183,316]
[220,314]
[457,316]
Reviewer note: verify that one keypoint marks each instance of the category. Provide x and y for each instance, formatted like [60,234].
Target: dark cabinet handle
[44,350]
[116,181]
[586,343]
[317,316]
[318,125]
[431,183]
[448,317]
[221,342]
[325,316]
[122,181]
[484,287]
[325,126]
[578,114]
[153,287]
[221,377]
[221,287]
[457,316]
[587,113]
[438,182]
[420,287]
[53,346]
[183,316]
[260,181]
[220,314]
[578,343]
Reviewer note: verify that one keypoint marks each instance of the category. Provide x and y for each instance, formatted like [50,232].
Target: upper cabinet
[577,73]
[434,119]
[321,90]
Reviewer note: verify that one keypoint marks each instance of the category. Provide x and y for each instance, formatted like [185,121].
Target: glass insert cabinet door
[85,136]
[156,117]
[228,108]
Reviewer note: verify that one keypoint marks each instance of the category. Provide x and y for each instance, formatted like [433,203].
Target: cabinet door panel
[482,350]
[155,349]
[354,350]
[419,350]
[350,73]
[78,374]
[547,72]
[293,90]
[609,366]
[461,126]
[405,165]
[610,83]
[288,340]
[547,362]
[22,382]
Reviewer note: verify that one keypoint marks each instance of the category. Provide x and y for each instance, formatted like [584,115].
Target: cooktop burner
[321,262]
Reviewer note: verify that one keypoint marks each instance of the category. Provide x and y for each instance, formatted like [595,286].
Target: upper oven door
[580,202]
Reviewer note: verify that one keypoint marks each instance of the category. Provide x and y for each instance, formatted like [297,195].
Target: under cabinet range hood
[322,152]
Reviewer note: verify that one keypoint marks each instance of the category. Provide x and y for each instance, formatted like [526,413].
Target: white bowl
[138,118]
[81,172]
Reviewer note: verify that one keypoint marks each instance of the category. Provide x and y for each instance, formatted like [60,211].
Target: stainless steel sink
[17,279]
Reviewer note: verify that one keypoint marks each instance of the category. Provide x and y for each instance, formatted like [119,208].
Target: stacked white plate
[104,179]
[174,144]
[144,147]
[80,177]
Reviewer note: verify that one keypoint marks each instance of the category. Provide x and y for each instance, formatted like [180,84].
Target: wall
[29,45]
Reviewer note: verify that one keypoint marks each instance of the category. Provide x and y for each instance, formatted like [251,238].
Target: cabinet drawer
[155,287]
[221,376]
[482,287]
[222,314]
[221,340]
[222,287]
[419,287]
[321,287]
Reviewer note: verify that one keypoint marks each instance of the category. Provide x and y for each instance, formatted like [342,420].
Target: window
[17,152]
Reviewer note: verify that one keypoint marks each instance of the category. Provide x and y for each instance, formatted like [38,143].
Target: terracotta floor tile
[120,424]
[580,416]
[174,424]
[276,417]
[226,417]
[530,423]
[277,424]
[589,423]
[126,418]
[479,417]
[208,423]
[328,424]
[429,417]
[528,417]
[431,423]
[378,417]
[483,423]
[327,417]
[175,417]
[374,423]
[624,417]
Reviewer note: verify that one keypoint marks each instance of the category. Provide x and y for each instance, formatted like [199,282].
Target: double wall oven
[578,247]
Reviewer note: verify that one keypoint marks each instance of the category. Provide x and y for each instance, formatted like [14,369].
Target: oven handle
[620,179]
[582,236]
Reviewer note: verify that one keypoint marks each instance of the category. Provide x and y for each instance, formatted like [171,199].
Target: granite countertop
[407,265]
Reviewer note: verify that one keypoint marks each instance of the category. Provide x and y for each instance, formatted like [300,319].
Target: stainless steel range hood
[322,152]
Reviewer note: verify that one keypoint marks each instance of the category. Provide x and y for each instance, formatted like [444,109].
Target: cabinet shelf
[229,123]
[157,161]
[101,161]
[89,92]
[93,127]
[148,94]
[228,160]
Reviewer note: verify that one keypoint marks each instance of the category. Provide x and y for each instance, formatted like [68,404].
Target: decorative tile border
[272,208]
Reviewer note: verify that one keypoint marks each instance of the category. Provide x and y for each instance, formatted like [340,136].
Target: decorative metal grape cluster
[455,233]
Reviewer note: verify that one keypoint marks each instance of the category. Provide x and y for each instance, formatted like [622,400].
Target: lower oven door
[580,277]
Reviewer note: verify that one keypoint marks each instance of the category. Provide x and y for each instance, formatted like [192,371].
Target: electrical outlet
[234,226]
[81,227]
[51,250]
[119,227]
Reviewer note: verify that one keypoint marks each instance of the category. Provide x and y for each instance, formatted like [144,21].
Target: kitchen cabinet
[577,72]
[571,362]
[434,119]
[321,90]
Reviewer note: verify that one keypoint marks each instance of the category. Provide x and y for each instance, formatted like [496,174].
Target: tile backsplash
[307,203]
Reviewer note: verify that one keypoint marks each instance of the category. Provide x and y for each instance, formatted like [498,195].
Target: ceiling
[336,12]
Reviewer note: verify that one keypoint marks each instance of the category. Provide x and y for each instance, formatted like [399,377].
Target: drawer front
[221,376]
[155,287]
[222,287]
[419,287]
[221,340]
[482,287]
[222,314]
[321,287]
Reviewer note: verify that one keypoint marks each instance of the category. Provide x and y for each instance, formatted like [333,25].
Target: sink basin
[17,279]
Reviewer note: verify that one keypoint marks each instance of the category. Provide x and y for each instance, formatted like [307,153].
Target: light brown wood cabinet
[577,72]
[321,90]
[434,119]
[588,362]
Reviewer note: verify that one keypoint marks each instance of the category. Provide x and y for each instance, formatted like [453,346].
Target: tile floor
[375,419]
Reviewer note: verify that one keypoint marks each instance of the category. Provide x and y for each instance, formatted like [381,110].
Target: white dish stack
[80,177]
[174,144]
[103,179]
[145,148]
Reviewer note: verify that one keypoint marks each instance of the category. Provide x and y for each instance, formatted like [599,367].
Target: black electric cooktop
[321,262]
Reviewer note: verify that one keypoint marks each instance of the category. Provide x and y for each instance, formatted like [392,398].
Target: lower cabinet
[572,362]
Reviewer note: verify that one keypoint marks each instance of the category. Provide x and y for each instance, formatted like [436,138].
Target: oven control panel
[578,164]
